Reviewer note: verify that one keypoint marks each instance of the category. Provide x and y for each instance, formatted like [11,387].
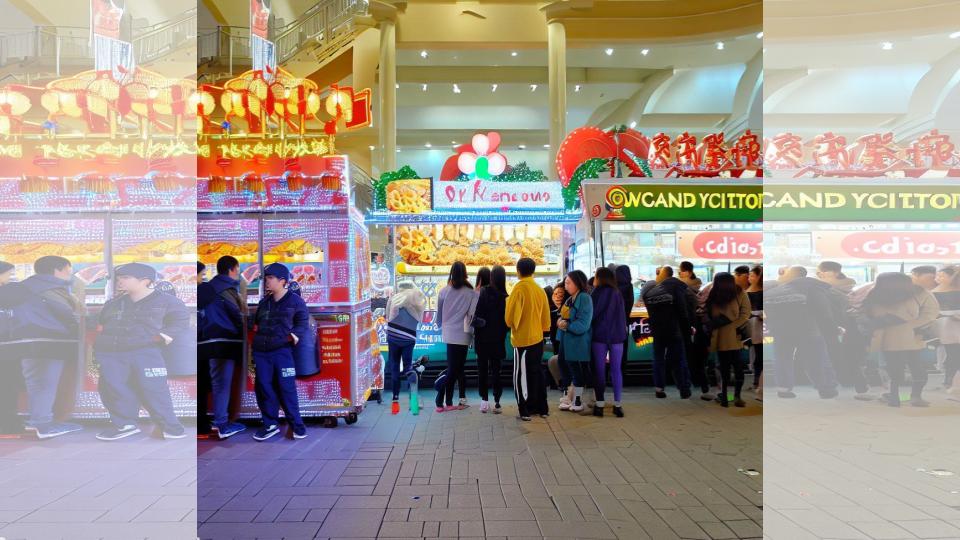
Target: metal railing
[328,25]
[69,43]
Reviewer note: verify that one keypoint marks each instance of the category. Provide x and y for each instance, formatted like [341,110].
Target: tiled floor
[76,487]
[667,470]
[856,470]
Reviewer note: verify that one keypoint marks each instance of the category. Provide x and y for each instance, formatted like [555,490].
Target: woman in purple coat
[609,334]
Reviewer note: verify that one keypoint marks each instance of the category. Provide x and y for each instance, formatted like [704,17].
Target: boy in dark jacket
[49,324]
[282,320]
[134,328]
[220,342]
[670,312]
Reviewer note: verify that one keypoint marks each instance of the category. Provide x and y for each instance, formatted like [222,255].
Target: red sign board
[889,245]
[721,245]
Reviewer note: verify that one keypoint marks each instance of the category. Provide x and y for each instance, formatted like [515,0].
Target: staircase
[323,30]
[46,50]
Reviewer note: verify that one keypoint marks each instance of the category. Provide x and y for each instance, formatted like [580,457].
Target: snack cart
[645,223]
[868,227]
[306,221]
[478,222]
[99,222]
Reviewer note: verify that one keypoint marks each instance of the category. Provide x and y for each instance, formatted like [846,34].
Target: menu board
[81,241]
[169,245]
[238,238]
[476,244]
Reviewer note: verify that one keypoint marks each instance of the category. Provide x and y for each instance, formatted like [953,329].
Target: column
[557,76]
[388,96]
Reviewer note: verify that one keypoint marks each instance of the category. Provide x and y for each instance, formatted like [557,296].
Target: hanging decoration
[589,169]
[480,159]
[13,105]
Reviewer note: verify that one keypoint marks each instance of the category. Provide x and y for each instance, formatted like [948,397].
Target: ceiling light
[514,53]
[456,88]
[955,35]
[887,46]
[522,146]
[423,87]
[371,147]
[608,52]
[397,86]
[546,146]
[493,87]
[759,35]
[644,51]
[453,143]
[633,124]
[423,54]
[533,88]
[576,88]
[719,45]
[398,150]
[428,145]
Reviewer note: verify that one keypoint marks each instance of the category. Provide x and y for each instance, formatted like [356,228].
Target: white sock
[600,404]
[578,391]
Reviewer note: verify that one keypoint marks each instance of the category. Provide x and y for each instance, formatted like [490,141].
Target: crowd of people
[580,330]
[836,333]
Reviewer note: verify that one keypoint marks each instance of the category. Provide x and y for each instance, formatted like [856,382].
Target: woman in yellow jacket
[528,317]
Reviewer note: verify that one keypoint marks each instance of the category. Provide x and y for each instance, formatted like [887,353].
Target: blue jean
[42,378]
[811,352]
[672,352]
[276,386]
[221,383]
[129,379]
[397,354]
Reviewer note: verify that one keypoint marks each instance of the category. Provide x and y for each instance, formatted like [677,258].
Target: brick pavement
[667,470]
[847,469]
[76,487]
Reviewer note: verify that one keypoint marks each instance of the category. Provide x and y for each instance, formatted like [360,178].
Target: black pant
[757,363]
[488,368]
[203,394]
[456,358]
[528,380]
[951,364]
[698,355]
[896,361]
[728,360]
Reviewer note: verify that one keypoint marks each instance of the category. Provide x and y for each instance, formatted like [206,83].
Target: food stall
[98,222]
[645,223]
[479,221]
[868,227]
[306,221]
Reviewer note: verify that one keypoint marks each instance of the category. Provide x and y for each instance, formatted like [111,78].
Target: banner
[888,245]
[110,53]
[873,202]
[664,202]
[262,50]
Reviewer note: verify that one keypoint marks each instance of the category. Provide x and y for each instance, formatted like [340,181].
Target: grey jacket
[453,306]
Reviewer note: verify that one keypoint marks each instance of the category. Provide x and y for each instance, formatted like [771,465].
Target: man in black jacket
[134,327]
[49,326]
[221,321]
[281,321]
[670,314]
[802,317]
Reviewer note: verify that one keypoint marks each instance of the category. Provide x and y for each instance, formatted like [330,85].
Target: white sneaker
[484,406]
[564,404]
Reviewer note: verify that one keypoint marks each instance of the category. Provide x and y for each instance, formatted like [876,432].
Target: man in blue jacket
[282,320]
[49,325]
[222,314]
[134,328]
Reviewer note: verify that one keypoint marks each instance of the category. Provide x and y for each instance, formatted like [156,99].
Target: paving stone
[401,529]
[512,528]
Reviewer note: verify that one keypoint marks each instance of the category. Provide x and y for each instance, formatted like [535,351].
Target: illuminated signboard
[656,202]
[506,196]
[869,202]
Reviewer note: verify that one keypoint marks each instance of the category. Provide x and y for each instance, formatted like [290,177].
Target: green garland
[590,168]
[642,163]
[380,185]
